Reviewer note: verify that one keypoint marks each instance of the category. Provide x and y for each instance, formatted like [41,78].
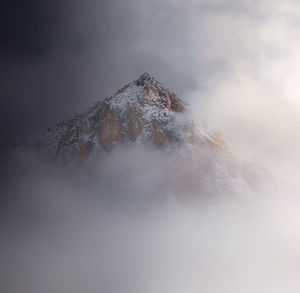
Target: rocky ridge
[142,112]
[144,115]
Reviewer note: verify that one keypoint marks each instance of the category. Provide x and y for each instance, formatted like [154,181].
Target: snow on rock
[145,113]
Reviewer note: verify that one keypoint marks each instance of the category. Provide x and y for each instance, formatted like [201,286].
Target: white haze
[251,92]
[118,229]
[99,236]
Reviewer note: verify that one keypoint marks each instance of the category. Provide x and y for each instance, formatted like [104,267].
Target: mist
[117,226]
[128,223]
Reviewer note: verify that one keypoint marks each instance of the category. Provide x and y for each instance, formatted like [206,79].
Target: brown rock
[168,100]
[161,138]
[155,96]
[85,150]
[122,89]
[220,139]
[133,124]
[152,95]
[143,79]
[152,90]
[103,111]
[85,127]
[176,105]
[110,132]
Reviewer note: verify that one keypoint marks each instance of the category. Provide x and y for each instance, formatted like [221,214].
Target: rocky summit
[142,112]
[188,158]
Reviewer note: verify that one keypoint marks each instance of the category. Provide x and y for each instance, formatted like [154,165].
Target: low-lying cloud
[95,233]
[118,227]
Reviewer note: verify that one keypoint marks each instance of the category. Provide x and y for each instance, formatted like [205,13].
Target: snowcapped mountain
[189,158]
[142,112]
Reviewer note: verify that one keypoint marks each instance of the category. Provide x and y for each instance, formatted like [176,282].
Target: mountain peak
[143,111]
[145,76]
[147,79]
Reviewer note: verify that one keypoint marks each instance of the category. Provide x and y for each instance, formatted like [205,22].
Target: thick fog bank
[118,228]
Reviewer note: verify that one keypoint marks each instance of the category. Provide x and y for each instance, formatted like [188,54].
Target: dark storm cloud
[27,26]
[58,57]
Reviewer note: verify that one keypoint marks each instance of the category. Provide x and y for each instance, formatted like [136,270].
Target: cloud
[236,63]
[249,88]
[60,237]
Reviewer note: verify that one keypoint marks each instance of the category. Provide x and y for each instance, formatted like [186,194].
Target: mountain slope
[142,134]
[142,112]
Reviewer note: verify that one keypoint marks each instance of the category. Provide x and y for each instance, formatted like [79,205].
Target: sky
[58,57]
[234,61]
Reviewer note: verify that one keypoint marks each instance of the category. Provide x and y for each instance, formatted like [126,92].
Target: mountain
[141,112]
[187,159]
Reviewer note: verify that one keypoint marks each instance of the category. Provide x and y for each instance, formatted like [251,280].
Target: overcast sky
[236,62]
[58,57]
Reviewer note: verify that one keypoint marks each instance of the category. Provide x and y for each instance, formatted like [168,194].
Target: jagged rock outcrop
[196,160]
[143,112]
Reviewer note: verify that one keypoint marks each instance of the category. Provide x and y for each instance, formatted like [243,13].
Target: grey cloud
[211,53]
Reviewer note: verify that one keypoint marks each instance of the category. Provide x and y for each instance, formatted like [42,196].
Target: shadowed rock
[142,111]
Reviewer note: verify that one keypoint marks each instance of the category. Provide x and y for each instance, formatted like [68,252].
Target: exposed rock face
[109,132]
[143,111]
[85,150]
[134,124]
[161,137]
[85,127]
